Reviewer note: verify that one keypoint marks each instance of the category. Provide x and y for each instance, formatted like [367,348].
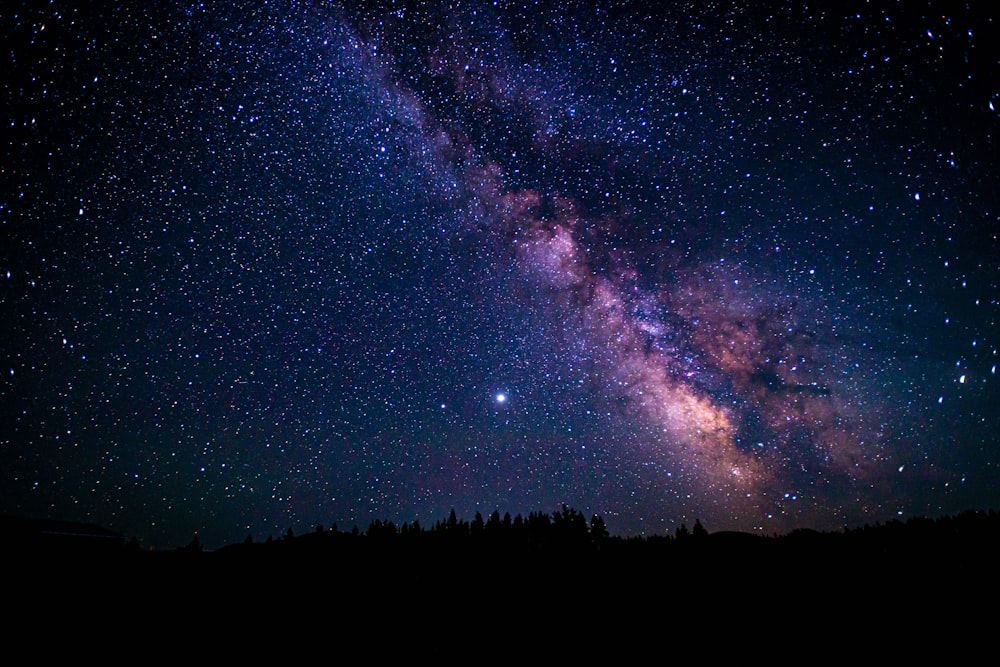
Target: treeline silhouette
[567,542]
[565,533]
[531,568]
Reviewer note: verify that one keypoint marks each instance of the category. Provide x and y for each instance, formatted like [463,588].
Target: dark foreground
[478,594]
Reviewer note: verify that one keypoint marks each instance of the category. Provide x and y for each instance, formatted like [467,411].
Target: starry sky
[271,264]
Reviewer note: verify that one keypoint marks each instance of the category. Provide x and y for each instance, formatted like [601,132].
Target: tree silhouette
[493,523]
[381,529]
[598,531]
[569,528]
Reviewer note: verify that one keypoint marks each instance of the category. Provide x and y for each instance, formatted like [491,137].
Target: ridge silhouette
[565,535]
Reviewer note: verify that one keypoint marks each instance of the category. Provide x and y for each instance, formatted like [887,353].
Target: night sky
[265,265]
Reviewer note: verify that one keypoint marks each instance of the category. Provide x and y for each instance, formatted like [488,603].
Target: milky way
[272,265]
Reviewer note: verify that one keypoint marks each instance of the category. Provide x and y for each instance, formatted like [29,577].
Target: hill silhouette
[547,575]
[539,539]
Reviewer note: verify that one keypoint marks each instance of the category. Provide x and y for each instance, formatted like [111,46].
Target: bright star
[501,398]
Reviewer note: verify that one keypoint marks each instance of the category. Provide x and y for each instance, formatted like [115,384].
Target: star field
[273,264]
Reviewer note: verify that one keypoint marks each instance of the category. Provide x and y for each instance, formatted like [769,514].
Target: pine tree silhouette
[598,531]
